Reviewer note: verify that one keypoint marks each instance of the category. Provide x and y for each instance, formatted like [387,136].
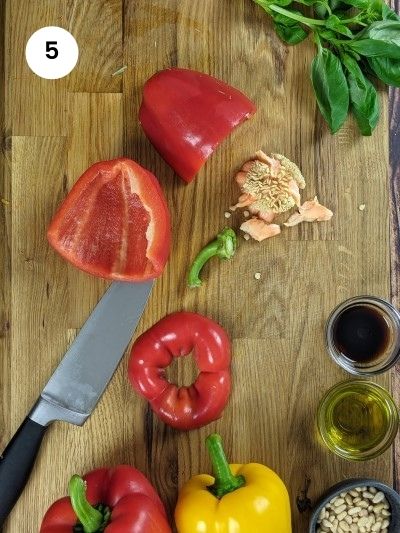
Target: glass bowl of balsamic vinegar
[363,335]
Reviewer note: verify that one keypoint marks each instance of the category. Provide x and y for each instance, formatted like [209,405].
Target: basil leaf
[282,3]
[328,35]
[321,7]
[383,30]
[334,23]
[335,4]
[389,14]
[330,87]
[283,19]
[373,12]
[375,48]
[288,29]
[387,70]
[361,4]
[320,10]
[291,34]
[380,39]
[364,98]
[266,3]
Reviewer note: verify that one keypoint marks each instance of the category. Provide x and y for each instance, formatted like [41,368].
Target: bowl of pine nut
[357,506]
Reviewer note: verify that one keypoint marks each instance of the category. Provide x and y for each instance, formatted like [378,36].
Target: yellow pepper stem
[225,481]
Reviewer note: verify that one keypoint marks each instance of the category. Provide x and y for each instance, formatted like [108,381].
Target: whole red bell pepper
[116,500]
[114,223]
[187,114]
[177,335]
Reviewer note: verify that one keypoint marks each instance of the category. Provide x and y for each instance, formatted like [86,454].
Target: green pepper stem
[225,481]
[90,518]
[223,246]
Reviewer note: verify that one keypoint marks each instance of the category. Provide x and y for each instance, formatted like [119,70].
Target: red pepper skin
[136,507]
[187,114]
[177,335]
[114,223]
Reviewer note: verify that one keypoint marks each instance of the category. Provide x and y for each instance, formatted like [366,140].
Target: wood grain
[44,111]
[52,131]
[98,26]
[5,262]
[394,152]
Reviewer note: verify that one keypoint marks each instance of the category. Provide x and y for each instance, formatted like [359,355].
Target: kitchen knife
[77,384]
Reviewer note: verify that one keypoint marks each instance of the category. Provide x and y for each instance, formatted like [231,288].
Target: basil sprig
[330,87]
[355,39]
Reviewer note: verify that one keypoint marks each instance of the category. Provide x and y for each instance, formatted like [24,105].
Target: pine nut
[368,495]
[378,508]
[379,496]
[354,510]
[360,510]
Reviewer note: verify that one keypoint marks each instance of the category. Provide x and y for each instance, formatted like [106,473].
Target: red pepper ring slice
[178,335]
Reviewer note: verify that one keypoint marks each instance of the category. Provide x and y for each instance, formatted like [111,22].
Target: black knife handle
[16,464]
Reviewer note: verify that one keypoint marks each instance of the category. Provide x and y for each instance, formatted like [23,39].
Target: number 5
[51,50]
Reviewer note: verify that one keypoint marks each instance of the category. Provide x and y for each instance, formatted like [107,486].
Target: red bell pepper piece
[114,223]
[177,335]
[116,500]
[187,114]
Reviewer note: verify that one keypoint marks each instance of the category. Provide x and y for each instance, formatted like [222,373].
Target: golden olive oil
[356,418]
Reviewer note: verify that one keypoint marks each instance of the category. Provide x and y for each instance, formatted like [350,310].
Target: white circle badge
[51,52]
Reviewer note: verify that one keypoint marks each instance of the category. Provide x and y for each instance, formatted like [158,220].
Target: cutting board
[53,130]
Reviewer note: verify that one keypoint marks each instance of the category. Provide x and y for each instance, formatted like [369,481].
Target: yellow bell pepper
[248,498]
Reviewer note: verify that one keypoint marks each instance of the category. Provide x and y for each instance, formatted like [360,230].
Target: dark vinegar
[361,333]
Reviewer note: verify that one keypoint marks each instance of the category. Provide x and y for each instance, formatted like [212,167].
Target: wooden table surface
[53,130]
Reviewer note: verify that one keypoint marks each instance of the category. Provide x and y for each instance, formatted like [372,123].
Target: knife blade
[76,385]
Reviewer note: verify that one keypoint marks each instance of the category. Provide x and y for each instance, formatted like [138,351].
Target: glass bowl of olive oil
[357,419]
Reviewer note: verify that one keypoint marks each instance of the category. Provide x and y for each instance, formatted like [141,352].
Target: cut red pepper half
[114,223]
[115,500]
[178,335]
[187,114]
